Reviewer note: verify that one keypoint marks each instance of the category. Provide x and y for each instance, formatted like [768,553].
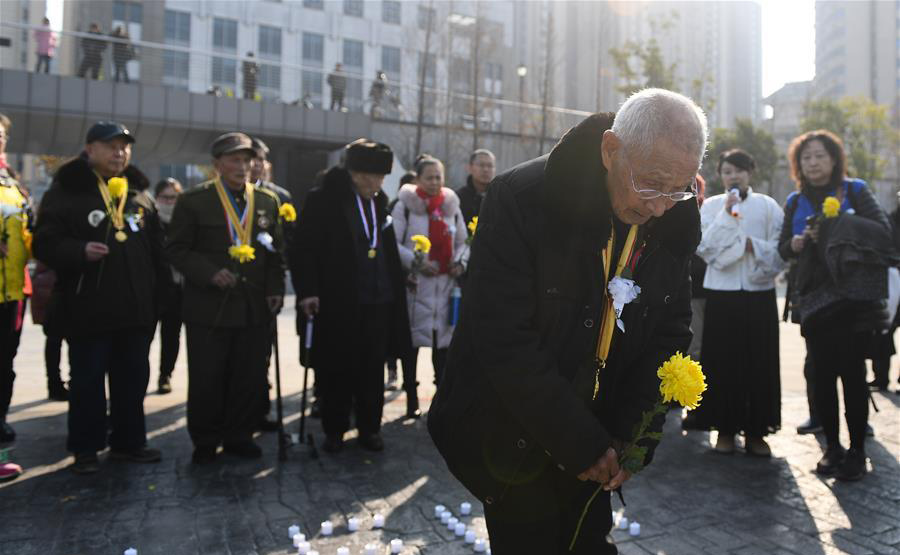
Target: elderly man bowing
[542,386]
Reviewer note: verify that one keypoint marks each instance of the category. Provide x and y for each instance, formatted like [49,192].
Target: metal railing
[268,79]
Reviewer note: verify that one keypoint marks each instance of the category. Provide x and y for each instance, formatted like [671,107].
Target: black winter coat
[324,264]
[117,292]
[469,200]
[517,389]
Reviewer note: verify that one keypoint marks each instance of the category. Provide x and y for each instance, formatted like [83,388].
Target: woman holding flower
[838,312]
[429,209]
[740,335]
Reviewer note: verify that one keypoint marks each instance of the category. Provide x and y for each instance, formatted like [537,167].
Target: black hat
[231,142]
[364,155]
[261,148]
[107,131]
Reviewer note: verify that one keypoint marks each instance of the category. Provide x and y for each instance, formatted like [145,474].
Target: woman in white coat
[739,352]
[428,208]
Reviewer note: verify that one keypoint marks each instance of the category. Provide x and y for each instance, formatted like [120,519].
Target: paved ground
[689,501]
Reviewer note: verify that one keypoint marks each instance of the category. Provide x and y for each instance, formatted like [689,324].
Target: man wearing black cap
[225,238]
[102,239]
[346,271]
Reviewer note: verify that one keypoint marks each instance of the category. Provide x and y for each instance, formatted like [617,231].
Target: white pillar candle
[396,545]
[370,549]
[298,538]
[378,520]
[623,523]
[445,516]
[635,529]
[353,524]
[451,524]
[303,548]
[327,528]
[293,530]
[465,509]
[479,545]
[439,510]
[343,551]
[470,536]
[131,551]
[460,529]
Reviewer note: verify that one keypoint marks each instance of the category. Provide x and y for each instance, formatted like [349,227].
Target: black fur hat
[364,155]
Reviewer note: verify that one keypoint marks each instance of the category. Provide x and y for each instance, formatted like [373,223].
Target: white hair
[653,114]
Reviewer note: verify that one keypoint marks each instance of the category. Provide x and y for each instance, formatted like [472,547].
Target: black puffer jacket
[517,389]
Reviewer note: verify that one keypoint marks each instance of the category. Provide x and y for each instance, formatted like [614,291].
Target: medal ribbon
[116,214]
[372,237]
[608,325]
[239,227]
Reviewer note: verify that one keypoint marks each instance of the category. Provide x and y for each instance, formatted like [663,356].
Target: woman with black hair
[839,287]
[740,335]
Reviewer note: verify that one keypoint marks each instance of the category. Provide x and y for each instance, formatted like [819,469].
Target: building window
[178,27]
[426,17]
[128,12]
[390,62]
[269,42]
[314,4]
[461,75]
[311,88]
[430,69]
[353,8]
[390,11]
[313,48]
[176,68]
[269,77]
[493,79]
[353,53]
[225,34]
[224,71]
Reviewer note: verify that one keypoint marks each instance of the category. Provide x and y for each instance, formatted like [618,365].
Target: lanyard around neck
[373,236]
[239,227]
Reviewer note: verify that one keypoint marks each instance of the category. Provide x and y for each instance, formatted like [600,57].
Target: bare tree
[476,64]
[423,72]
[548,62]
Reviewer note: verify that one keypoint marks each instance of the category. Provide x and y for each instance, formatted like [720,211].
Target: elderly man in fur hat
[347,275]
[550,369]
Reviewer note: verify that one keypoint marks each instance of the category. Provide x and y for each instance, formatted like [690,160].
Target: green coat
[197,246]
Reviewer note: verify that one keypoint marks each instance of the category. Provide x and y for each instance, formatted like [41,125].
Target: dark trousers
[810,375]
[169,339]
[53,357]
[124,356]
[122,72]
[92,64]
[337,99]
[356,382]
[43,60]
[225,368]
[881,368]
[10,332]
[546,523]
[410,364]
[838,352]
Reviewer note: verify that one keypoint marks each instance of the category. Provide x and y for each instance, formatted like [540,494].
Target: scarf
[441,241]
[3,163]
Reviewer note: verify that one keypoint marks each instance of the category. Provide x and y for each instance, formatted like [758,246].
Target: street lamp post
[522,71]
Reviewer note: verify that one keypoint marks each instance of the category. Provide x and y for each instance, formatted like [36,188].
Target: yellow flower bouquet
[831,207]
[287,212]
[242,253]
[118,187]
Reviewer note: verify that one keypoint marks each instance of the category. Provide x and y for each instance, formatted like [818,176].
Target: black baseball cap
[107,131]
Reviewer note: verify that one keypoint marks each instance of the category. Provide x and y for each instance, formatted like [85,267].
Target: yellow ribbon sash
[608,325]
[116,213]
[239,231]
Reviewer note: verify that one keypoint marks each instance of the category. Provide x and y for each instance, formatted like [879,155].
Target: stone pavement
[689,501]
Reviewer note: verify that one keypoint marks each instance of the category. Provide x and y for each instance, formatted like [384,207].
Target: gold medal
[120,236]
[371,253]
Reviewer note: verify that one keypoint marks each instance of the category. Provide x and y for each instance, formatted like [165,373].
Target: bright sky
[788,42]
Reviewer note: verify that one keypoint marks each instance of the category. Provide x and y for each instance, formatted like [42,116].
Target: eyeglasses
[689,192]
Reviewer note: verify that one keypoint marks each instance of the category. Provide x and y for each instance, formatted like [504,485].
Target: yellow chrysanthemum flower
[118,187]
[473,225]
[422,243]
[831,207]
[682,380]
[242,253]
[288,212]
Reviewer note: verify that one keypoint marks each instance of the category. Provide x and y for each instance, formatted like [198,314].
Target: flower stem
[584,513]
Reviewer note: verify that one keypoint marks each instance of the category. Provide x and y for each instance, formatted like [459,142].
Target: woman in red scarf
[428,208]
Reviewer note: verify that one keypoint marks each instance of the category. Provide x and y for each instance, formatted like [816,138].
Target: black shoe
[7,434]
[853,466]
[371,442]
[316,410]
[333,444]
[86,463]
[412,406]
[203,455]
[809,427]
[139,455]
[830,462]
[267,425]
[877,386]
[164,386]
[870,431]
[244,449]
[57,392]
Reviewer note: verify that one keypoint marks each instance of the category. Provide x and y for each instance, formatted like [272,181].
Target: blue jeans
[124,356]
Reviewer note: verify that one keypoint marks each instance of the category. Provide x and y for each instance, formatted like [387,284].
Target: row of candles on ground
[396,546]
[621,522]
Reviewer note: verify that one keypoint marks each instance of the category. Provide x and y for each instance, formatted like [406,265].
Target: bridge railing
[268,79]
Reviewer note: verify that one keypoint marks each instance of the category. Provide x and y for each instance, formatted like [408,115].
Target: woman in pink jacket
[46,46]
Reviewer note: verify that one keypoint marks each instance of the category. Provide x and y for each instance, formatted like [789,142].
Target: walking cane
[307,343]
[279,410]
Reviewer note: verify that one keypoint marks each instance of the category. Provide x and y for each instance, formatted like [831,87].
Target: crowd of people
[116,256]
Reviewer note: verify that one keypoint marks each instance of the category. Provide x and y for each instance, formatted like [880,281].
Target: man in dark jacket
[225,238]
[105,250]
[529,417]
[347,273]
[92,53]
[482,168]
[250,71]
[337,80]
